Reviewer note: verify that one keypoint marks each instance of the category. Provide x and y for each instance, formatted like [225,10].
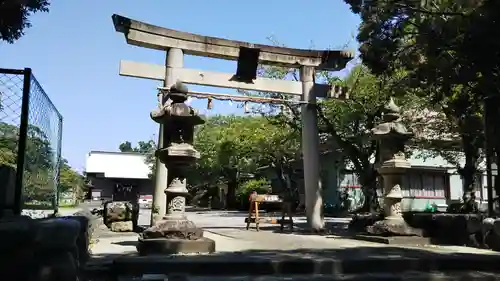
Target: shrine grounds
[228,229]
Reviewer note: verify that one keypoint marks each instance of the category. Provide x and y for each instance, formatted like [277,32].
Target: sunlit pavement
[228,229]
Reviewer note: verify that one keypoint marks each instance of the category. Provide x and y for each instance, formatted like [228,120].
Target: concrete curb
[220,266]
[407,276]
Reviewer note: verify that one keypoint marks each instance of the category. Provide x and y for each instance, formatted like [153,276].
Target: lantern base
[170,246]
[393,226]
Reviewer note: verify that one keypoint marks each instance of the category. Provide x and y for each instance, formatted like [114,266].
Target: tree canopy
[344,125]
[40,178]
[233,147]
[435,43]
[141,147]
[14,17]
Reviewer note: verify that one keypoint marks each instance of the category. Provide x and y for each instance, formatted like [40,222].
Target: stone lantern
[174,233]
[392,136]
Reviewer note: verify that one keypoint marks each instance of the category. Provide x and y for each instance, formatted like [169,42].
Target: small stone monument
[175,233]
[122,213]
[392,135]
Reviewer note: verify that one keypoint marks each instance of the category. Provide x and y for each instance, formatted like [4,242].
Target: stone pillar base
[174,228]
[169,246]
[393,227]
[173,235]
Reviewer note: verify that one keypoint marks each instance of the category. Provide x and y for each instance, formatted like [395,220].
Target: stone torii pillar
[249,56]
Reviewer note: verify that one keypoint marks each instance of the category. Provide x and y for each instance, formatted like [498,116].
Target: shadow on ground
[361,260]
[126,243]
[331,229]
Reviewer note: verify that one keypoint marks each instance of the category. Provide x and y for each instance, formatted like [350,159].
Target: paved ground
[228,230]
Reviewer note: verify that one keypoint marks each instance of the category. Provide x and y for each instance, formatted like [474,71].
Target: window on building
[482,187]
[349,180]
[426,185]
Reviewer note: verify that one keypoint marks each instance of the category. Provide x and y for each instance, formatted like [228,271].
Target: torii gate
[249,56]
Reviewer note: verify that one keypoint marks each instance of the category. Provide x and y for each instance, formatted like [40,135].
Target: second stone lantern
[174,233]
[392,136]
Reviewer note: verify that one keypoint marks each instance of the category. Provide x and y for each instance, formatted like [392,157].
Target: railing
[30,139]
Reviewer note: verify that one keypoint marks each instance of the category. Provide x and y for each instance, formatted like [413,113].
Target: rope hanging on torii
[246,71]
[336,92]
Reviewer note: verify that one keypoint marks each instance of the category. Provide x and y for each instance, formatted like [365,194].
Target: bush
[261,186]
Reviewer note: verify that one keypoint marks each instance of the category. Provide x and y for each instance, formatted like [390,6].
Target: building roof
[127,165]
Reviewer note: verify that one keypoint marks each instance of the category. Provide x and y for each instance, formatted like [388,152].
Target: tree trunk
[495,141]
[369,184]
[280,174]
[468,173]
[232,185]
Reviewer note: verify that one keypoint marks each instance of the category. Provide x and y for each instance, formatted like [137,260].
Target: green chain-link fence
[30,139]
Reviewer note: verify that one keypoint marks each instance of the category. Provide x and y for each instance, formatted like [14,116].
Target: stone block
[7,187]
[83,239]
[394,240]
[122,226]
[488,224]
[239,264]
[496,226]
[474,223]
[175,229]
[393,227]
[57,233]
[359,222]
[456,229]
[164,246]
[62,266]
[47,247]
[120,211]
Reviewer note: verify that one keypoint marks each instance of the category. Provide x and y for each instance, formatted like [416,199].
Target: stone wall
[473,230]
[46,249]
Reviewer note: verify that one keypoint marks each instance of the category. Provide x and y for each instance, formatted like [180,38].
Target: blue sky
[75,53]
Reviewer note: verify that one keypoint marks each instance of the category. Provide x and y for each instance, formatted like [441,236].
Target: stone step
[406,276]
[247,265]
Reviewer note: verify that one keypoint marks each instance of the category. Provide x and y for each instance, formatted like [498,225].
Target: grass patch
[46,206]
[38,206]
[67,206]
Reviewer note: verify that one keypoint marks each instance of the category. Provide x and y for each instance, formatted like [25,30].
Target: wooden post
[254,216]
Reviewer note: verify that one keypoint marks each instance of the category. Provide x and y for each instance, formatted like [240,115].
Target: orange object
[252,195]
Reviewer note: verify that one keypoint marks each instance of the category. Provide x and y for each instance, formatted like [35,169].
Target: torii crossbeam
[249,56]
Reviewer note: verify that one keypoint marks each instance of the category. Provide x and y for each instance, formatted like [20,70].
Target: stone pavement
[248,254]
[228,230]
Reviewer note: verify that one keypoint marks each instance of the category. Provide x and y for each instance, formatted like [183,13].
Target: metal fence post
[23,132]
[59,148]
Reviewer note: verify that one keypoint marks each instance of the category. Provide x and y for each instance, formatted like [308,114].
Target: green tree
[141,147]
[69,179]
[225,145]
[233,146]
[344,125]
[277,147]
[126,147]
[40,167]
[14,17]
[432,44]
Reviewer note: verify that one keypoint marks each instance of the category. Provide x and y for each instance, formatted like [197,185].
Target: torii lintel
[155,37]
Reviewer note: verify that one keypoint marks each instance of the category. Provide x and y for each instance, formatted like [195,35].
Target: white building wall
[455,179]
[126,165]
